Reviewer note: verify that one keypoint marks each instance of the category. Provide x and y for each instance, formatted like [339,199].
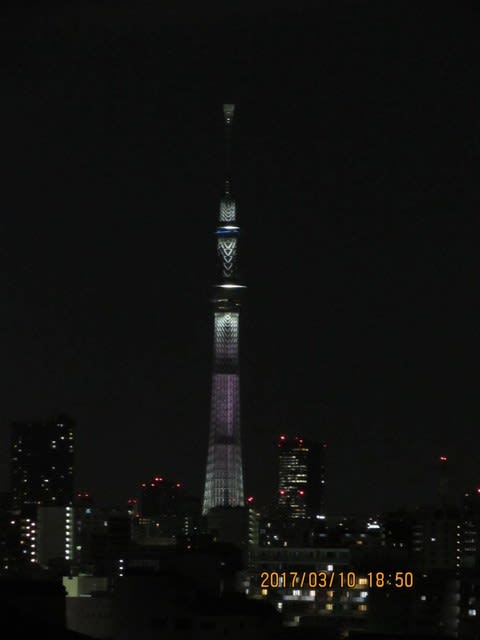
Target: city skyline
[352,164]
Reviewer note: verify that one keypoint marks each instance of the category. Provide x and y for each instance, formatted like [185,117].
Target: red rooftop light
[178,485]
[443,458]
[250,499]
[282,492]
[301,492]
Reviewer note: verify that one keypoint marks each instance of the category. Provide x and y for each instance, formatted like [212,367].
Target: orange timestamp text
[336,579]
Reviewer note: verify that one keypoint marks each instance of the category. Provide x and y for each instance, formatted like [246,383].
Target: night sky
[354,142]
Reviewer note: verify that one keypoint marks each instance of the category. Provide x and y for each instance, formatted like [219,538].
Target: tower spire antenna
[228,113]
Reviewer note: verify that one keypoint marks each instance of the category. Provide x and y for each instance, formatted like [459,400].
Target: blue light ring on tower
[228,231]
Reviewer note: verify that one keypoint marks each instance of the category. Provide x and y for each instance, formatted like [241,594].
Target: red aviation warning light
[250,499]
[443,458]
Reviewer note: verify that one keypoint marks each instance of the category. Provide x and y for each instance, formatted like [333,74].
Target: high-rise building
[42,462]
[224,476]
[301,477]
[42,485]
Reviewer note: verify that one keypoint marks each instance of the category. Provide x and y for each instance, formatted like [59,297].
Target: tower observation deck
[224,476]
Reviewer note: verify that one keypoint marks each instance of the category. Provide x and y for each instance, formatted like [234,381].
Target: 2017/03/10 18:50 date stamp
[336,579]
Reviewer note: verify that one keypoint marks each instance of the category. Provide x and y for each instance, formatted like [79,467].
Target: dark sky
[354,143]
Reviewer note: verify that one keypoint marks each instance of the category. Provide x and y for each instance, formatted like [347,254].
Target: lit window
[264,592]
[329,606]
[362,607]
[472,612]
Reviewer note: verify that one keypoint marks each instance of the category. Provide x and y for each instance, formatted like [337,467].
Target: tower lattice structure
[224,476]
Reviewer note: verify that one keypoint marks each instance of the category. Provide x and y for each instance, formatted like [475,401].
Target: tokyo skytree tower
[224,478]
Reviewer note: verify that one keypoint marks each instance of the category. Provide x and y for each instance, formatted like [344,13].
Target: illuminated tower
[224,477]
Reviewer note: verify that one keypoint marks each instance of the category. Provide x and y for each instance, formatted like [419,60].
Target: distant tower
[301,477]
[224,477]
